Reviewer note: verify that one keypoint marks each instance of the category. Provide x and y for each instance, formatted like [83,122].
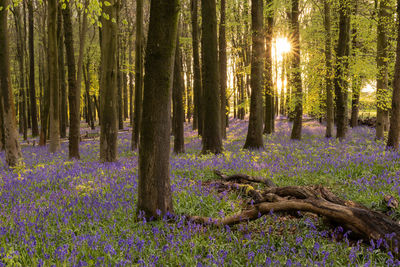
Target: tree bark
[63,85]
[329,71]
[73,92]
[254,139]
[394,131]
[197,83]
[55,144]
[177,101]
[269,101]
[155,197]
[108,84]
[138,75]
[382,63]
[32,90]
[355,100]
[212,141]
[21,63]
[223,66]
[12,149]
[341,70]
[296,72]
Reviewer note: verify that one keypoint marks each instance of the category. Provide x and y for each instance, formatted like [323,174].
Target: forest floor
[82,213]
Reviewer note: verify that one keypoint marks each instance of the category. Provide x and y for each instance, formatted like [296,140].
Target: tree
[329,70]
[254,139]
[223,66]
[382,67]
[341,69]
[296,73]
[73,90]
[138,74]
[32,89]
[108,83]
[197,83]
[55,144]
[177,101]
[269,87]
[155,198]
[212,141]
[394,131]
[11,145]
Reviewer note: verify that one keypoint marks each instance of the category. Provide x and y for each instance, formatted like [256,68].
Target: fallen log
[364,223]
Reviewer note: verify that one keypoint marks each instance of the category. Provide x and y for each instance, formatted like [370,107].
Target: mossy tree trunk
[155,196]
[212,141]
[12,149]
[108,83]
[254,139]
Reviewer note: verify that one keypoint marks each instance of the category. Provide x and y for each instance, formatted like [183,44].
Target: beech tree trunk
[212,141]
[254,139]
[394,131]
[11,145]
[341,70]
[329,71]
[223,66]
[61,69]
[155,198]
[73,94]
[177,101]
[382,63]
[108,84]
[197,83]
[269,119]
[55,144]
[296,73]
[32,89]
[138,75]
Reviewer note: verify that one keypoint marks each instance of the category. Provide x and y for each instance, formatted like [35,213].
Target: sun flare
[282,45]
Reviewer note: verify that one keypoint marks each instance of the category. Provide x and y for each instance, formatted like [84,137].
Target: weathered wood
[243,178]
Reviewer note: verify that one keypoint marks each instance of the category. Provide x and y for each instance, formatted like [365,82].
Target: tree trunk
[138,75]
[119,82]
[63,85]
[212,141]
[155,197]
[254,139]
[32,90]
[2,140]
[223,66]
[329,70]
[382,62]
[355,100]
[55,144]
[296,72]
[108,85]
[269,101]
[197,83]
[131,77]
[21,62]
[177,99]
[12,149]
[394,131]
[73,94]
[341,70]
